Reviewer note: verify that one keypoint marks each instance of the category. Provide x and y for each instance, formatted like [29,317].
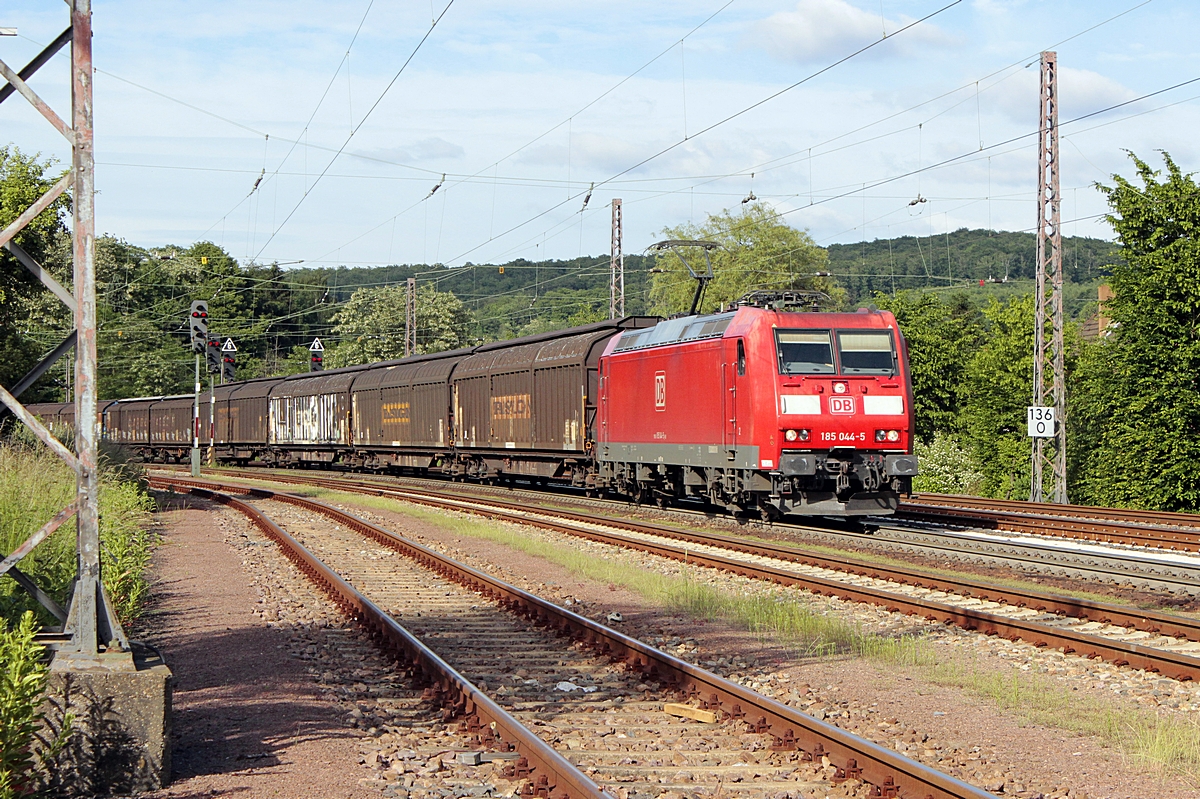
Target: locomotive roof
[709,326]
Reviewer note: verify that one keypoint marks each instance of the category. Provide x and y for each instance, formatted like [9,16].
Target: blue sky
[194,101]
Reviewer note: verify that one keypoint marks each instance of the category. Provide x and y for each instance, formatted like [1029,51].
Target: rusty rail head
[792,730]
[458,696]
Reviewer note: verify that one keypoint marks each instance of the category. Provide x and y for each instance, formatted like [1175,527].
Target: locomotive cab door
[734,366]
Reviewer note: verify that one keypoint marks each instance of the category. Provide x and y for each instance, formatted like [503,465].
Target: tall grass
[34,485]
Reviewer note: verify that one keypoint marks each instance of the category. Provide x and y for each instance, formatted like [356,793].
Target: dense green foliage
[370,327]
[1136,409]
[22,684]
[34,485]
[947,261]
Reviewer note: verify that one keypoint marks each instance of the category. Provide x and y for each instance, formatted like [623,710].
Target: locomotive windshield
[804,352]
[866,353]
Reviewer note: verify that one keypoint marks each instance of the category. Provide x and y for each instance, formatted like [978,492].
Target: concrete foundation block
[118,737]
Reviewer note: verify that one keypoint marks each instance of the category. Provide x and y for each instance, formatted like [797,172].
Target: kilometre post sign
[1040,421]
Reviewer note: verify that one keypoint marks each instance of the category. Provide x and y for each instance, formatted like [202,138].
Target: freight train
[755,409]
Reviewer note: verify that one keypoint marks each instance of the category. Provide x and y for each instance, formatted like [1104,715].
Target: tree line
[963,299]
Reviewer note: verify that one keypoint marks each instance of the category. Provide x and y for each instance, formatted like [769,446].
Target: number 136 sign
[1041,422]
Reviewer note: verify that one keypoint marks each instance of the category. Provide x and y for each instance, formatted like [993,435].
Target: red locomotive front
[786,413]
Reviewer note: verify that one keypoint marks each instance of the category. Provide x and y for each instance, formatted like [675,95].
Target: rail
[1123,653]
[891,774]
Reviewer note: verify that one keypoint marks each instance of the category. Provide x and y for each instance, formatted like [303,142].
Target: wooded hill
[964,257]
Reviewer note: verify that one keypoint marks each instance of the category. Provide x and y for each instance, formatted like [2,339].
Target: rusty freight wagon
[402,415]
[310,417]
[242,420]
[171,428]
[527,407]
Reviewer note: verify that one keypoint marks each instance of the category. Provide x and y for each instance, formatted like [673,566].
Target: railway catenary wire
[1147,568]
[1156,642]
[780,739]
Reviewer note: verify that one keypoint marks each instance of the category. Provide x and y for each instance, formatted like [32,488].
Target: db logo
[660,391]
[841,404]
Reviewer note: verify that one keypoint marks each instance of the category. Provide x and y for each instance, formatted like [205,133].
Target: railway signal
[316,361]
[228,361]
[198,326]
[212,355]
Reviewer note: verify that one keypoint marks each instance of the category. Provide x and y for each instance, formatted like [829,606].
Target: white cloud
[823,29]
[1080,91]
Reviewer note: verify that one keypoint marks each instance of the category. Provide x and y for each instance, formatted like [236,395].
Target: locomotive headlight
[839,388]
[887,435]
[893,435]
[880,435]
[804,435]
[791,435]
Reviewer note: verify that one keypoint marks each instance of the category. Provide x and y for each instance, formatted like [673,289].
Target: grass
[34,485]
[1168,742]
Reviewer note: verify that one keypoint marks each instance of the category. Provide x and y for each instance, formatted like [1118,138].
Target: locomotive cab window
[804,352]
[866,352]
[741,356]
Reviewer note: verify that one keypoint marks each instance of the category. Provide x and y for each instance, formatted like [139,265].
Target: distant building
[1098,325]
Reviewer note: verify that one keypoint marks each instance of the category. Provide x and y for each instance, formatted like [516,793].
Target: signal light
[227,368]
[316,363]
[198,326]
[212,355]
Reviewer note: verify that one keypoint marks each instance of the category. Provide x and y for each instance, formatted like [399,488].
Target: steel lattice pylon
[410,318]
[1049,454]
[616,268]
[96,639]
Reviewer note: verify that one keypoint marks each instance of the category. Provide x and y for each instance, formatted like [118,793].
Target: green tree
[942,335]
[758,251]
[998,387]
[26,308]
[370,326]
[1136,410]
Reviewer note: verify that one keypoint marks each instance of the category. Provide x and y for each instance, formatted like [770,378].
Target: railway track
[1157,642]
[577,709]
[1109,525]
[1140,568]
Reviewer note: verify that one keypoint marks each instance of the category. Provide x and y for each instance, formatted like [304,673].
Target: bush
[22,683]
[946,468]
[34,485]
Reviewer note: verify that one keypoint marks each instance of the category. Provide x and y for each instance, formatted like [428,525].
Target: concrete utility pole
[96,638]
[1049,453]
[410,318]
[616,267]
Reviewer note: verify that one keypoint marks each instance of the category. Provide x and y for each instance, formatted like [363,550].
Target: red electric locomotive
[760,409]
